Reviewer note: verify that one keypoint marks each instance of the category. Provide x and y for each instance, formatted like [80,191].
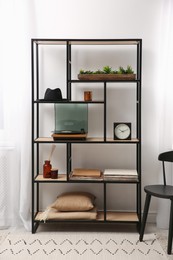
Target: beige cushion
[74,201]
[53,214]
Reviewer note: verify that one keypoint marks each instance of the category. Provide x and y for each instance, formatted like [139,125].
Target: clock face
[122,131]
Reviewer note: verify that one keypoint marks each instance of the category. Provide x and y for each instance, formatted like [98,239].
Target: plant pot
[106,76]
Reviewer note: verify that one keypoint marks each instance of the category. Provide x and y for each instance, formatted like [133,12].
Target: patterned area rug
[80,245]
[162,237]
[3,235]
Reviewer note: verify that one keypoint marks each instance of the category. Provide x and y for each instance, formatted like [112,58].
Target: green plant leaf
[129,70]
[107,69]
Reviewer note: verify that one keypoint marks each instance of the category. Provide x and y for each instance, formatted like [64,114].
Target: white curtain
[164,94]
[16,20]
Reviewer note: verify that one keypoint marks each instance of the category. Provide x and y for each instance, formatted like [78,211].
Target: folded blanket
[53,214]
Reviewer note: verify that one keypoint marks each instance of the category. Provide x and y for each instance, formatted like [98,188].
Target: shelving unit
[104,216]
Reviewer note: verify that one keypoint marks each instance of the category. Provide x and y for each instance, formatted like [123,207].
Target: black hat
[53,94]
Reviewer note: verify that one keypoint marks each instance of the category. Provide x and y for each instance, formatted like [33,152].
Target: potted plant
[107,73]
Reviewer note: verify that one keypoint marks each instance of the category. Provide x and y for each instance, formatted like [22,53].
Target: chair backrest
[165,157]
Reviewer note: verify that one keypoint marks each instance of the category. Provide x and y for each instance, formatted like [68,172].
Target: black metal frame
[35,119]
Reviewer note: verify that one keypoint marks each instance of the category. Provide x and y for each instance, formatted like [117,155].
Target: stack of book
[87,174]
[120,174]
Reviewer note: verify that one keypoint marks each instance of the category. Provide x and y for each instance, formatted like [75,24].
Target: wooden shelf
[111,140]
[118,216]
[61,177]
[108,81]
[111,216]
[50,140]
[87,41]
[88,140]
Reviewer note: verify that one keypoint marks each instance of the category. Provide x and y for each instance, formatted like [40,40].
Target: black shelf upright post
[32,132]
[68,144]
[68,149]
[105,204]
[105,118]
[68,59]
[138,114]
[35,129]
[37,120]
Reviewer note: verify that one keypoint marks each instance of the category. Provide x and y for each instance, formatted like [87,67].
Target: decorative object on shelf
[74,201]
[68,136]
[108,74]
[87,95]
[47,169]
[71,121]
[53,95]
[54,173]
[122,131]
[47,165]
[52,151]
[71,205]
[53,214]
[86,174]
[120,174]
[106,77]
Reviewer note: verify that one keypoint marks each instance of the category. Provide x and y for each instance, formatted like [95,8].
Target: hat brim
[54,100]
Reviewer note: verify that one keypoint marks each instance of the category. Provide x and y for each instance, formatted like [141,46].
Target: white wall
[106,19]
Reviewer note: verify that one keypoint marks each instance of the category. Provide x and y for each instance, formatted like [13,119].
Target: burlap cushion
[74,201]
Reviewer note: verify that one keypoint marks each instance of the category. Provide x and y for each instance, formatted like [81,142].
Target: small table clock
[122,131]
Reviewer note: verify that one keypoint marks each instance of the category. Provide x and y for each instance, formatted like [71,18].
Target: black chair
[163,191]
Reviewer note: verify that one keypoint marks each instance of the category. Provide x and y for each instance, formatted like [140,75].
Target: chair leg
[145,214]
[170,234]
